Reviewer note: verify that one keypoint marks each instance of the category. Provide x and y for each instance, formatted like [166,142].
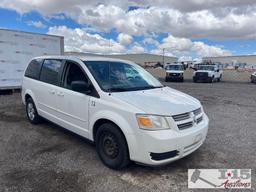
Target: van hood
[161,101]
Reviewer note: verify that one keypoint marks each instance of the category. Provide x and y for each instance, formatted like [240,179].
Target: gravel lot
[48,158]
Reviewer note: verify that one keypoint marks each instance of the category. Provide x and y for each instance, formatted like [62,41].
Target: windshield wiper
[147,87]
[117,89]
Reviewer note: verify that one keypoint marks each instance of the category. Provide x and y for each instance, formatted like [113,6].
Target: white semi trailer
[18,48]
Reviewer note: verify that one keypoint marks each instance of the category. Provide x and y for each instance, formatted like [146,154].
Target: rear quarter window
[50,71]
[33,69]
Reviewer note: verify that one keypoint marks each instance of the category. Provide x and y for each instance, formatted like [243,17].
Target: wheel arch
[29,94]
[102,121]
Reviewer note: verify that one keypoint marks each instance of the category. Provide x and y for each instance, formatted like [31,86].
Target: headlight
[152,122]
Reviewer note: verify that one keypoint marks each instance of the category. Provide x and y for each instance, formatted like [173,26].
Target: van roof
[174,64]
[83,58]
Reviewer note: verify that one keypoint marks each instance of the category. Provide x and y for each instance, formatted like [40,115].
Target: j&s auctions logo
[219,178]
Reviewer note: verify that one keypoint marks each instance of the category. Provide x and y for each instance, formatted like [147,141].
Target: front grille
[185,125]
[199,120]
[175,74]
[197,111]
[201,74]
[182,124]
[181,117]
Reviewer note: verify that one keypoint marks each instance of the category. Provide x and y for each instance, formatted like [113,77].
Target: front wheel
[220,78]
[211,80]
[112,147]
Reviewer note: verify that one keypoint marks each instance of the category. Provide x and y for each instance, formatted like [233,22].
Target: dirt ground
[48,158]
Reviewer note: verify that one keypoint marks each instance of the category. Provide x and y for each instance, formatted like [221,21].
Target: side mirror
[218,70]
[81,87]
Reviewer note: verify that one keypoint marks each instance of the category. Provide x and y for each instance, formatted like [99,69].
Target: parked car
[253,77]
[124,110]
[174,72]
[207,73]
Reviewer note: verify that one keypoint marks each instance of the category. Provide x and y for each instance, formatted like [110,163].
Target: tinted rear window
[33,69]
[50,71]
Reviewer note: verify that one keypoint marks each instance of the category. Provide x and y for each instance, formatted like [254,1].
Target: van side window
[73,73]
[50,71]
[33,69]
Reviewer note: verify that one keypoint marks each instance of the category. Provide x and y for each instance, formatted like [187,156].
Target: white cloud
[192,19]
[204,50]
[150,41]
[182,47]
[211,19]
[137,48]
[124,39]
[37,24]
[82,41]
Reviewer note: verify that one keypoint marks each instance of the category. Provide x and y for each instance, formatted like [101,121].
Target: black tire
[219,80]
[211,80]
[166,79]
[31,112]
[112,147]
[182,80]
[194,80]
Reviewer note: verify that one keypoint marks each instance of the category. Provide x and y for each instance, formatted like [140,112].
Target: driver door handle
[60,94]
[52,92]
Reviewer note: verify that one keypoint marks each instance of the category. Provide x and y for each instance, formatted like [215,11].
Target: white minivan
[123,109]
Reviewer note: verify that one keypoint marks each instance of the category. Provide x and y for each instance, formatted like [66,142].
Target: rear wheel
[31,111]
[112,147]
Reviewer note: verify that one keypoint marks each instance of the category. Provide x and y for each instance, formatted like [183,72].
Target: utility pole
[163,55]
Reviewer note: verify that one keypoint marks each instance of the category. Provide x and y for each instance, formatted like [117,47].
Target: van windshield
[119,76]
[206,67]
[175,67]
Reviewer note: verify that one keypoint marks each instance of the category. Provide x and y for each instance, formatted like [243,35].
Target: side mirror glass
[81,87]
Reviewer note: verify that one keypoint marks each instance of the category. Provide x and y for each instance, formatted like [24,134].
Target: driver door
[217,73]
[73,105]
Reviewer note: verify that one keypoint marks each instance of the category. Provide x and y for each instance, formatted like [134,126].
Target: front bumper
[165,146]
[171,76]
[203,78]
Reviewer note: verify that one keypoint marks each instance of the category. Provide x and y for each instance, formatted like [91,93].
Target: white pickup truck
[207,73]
[253,77]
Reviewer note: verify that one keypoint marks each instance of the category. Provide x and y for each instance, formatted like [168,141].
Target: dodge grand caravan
[126,112]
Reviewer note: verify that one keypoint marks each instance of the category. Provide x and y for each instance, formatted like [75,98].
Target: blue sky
[149,27]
